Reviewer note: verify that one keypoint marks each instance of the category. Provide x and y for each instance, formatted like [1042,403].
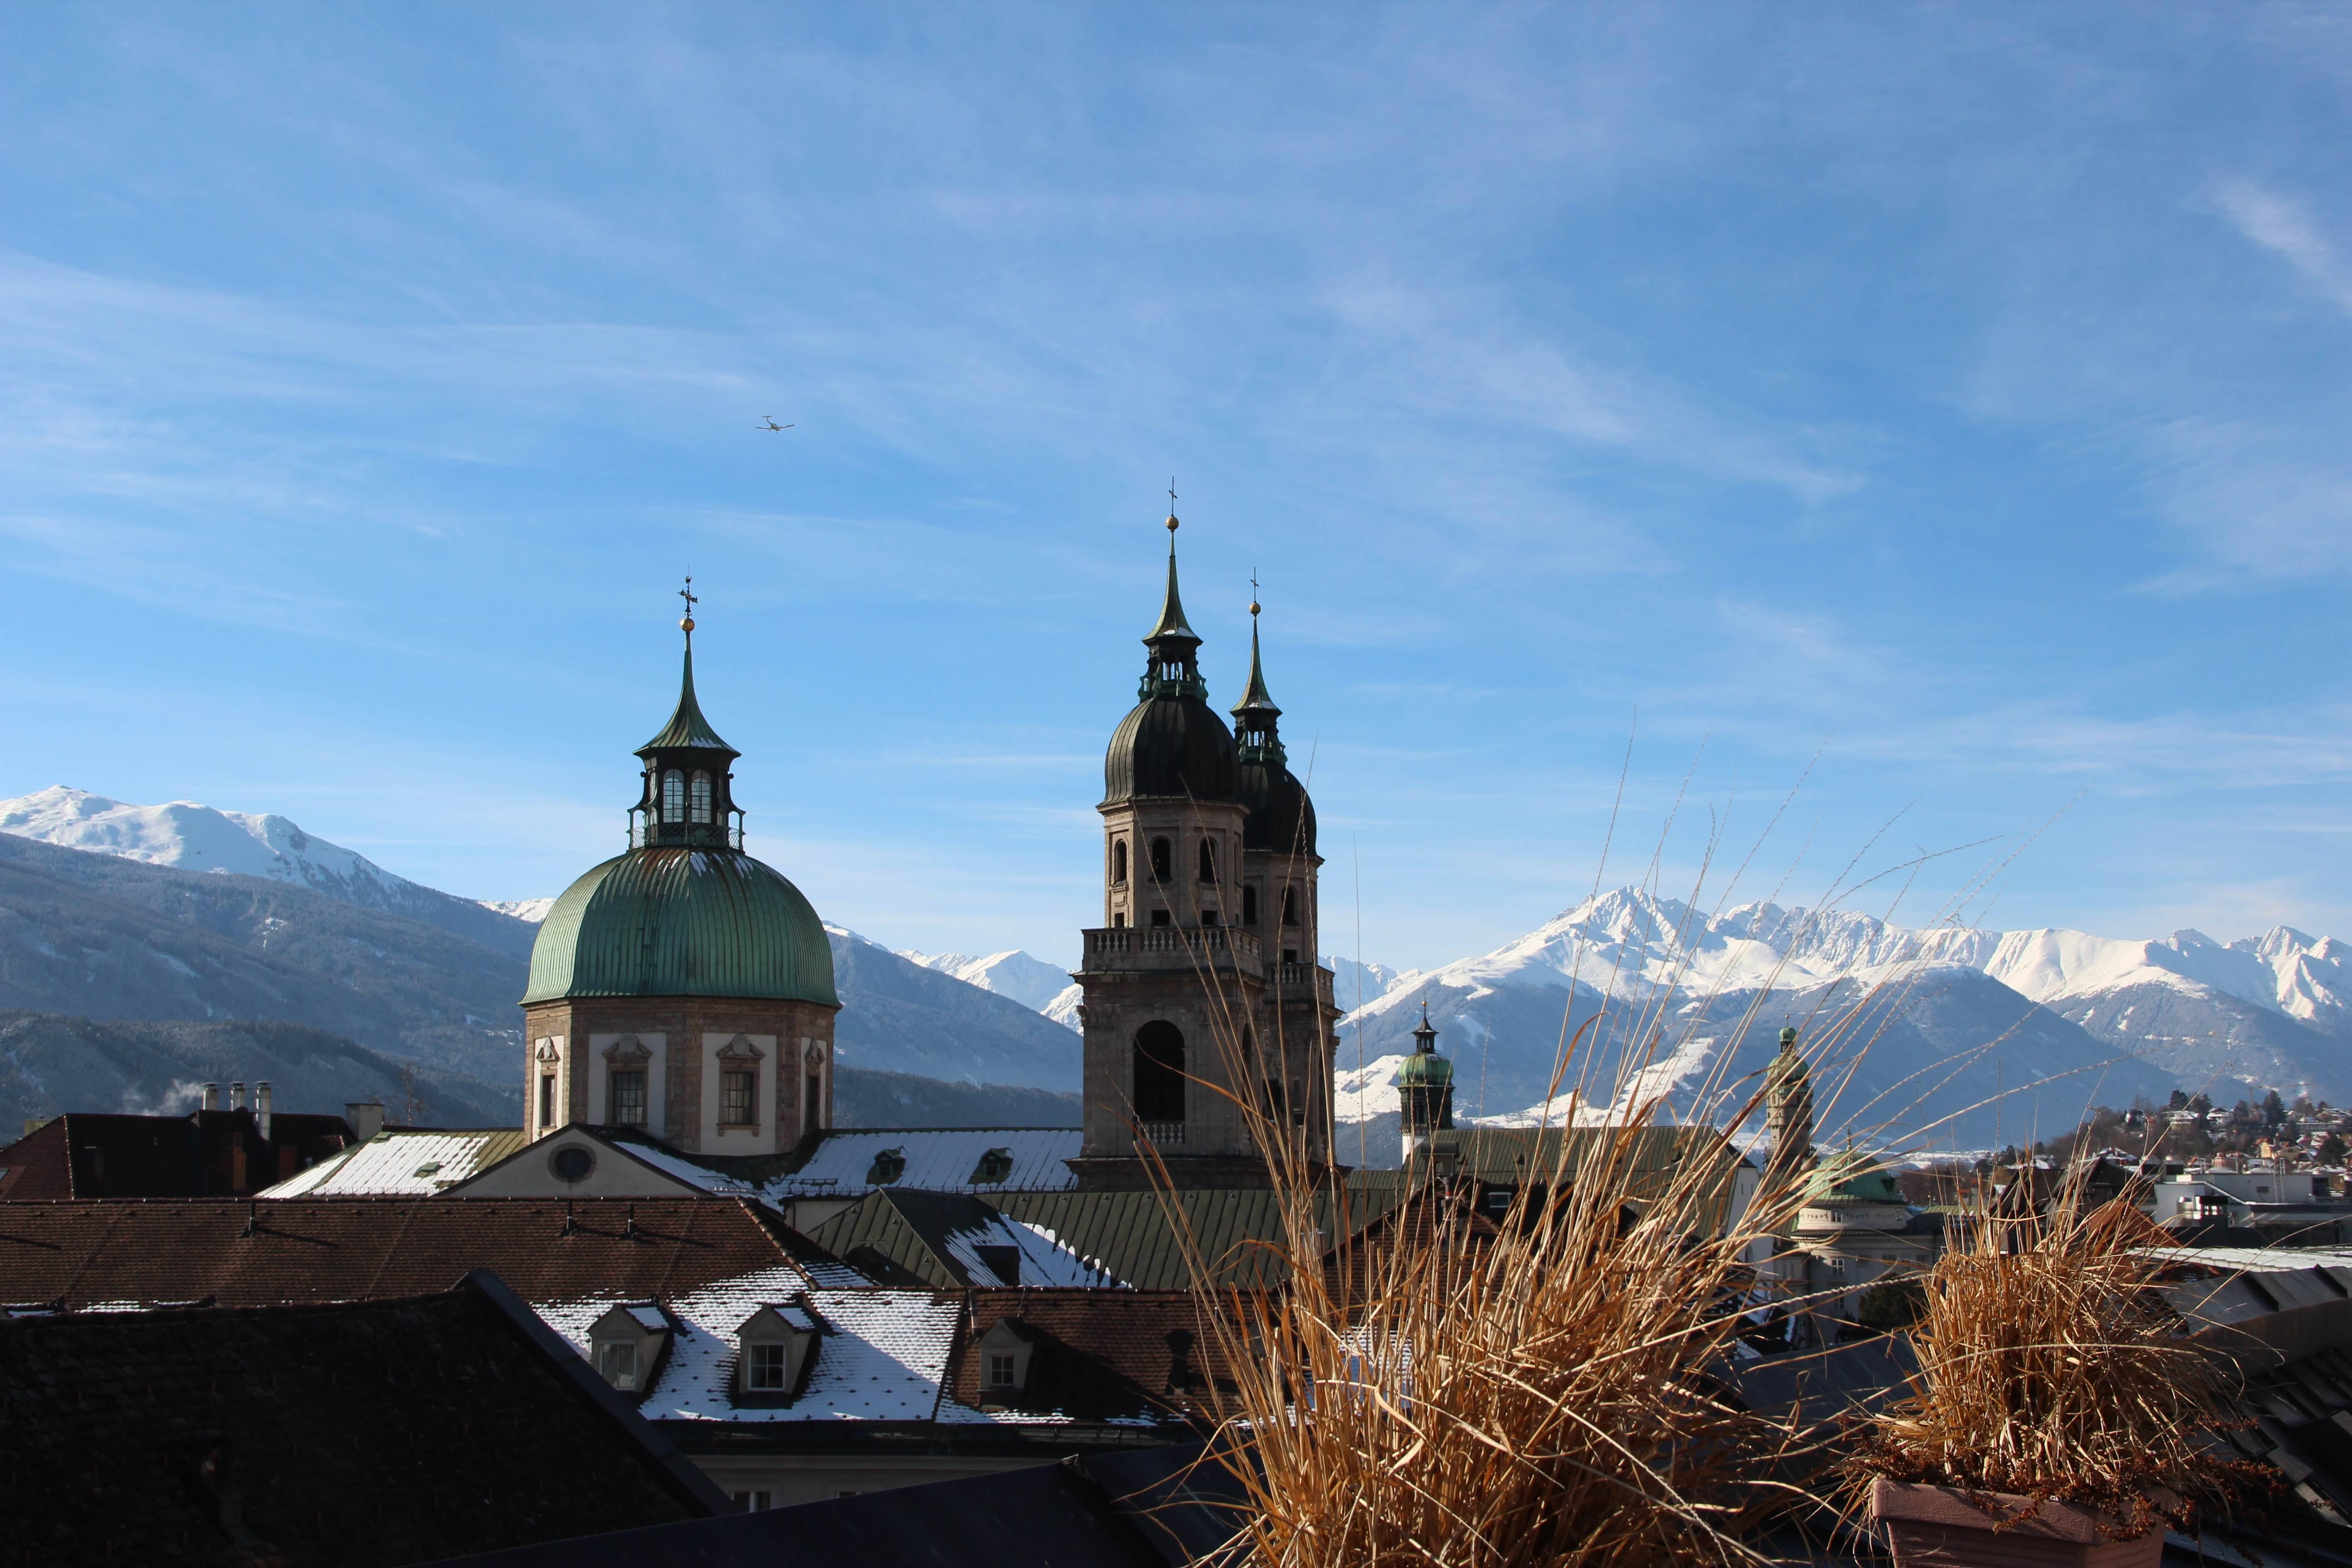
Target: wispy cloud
[2284,226]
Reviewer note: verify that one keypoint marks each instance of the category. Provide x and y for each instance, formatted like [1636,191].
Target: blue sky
[1954,396]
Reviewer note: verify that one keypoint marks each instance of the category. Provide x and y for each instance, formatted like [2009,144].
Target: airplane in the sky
[770,424]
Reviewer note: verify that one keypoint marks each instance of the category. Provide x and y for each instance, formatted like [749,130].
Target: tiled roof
[1144,1356]
[358,1434]
[882,1357]
[935,1238]
[327,1249]
[401,1164]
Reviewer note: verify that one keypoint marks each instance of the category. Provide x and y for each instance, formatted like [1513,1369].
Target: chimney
[212,1097]
[366,1117]
[261,1107]
[236,1095]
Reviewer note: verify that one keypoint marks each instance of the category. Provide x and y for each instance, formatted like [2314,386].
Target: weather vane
[687,594]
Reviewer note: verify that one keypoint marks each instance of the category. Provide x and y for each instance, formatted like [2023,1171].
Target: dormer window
[1004,1356]
[995,1165]
[776,1344]
[889,1164]
[626,1345]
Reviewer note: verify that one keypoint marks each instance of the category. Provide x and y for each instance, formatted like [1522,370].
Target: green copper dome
[682,923]
[1423,1070]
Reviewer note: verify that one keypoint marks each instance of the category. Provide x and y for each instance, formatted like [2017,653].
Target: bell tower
[1198,995]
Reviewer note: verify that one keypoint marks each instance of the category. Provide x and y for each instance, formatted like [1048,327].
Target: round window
[571,1163]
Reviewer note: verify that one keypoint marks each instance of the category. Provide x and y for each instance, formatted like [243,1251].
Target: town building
[209,1152]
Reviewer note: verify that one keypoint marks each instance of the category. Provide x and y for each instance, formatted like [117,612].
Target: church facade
[1207,1020]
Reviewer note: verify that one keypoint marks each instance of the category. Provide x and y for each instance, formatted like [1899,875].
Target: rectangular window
[546,1102]
[628,1099]
[763,1368]
[736,1100]
[1000,1368]
[617,1360]
[755,1501]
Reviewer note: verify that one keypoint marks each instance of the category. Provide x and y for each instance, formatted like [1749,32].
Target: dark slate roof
[1149,1508]
[1098,1355]
[1170,746]
[682,923]
[352,1435]
[237,1253]
[207,1153]
[1281,816]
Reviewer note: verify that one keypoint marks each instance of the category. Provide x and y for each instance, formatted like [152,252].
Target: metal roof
[846,1161]
[1150,1239]
[934,1238]
[682,923]
[687,730]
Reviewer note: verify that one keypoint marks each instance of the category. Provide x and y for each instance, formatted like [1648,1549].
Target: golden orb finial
[688,593]
[1171,503]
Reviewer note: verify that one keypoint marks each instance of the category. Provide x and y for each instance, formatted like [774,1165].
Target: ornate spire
[689,798]
[1174,668]
[688,729]
[1254,715]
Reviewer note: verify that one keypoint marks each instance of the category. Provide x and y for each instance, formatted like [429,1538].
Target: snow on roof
[938,1160]
[882,1357]
[649,1319]
[686,1171]
[402,1165]
[1043,1259]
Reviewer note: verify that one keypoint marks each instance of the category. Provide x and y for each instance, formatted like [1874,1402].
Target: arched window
[1160,1072]
[673,796]
[1249,906]
[1118,861]
[1160,858]
[699,795]
[1208,860]
[1290,906]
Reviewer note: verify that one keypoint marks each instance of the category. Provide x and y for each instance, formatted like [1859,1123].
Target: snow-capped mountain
[1032,982]
[1972,1013]
[531,912]
[1354,984]
[189,837]
[198,839]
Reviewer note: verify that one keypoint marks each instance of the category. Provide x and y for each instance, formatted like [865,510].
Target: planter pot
[1939,1527]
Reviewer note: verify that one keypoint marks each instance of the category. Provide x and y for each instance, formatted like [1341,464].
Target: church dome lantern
[686,913]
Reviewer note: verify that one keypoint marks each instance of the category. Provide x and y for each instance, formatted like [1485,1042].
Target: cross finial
[1172,506]
[687,594]
[1253,592]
